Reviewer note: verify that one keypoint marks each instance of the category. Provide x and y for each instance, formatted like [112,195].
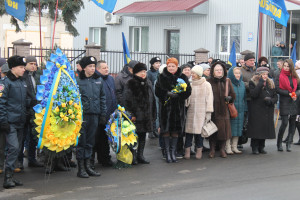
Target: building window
[227,34]
[139,37]
[98,36]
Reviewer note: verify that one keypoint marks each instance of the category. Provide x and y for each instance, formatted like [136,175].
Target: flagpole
[290,39]
[257,36]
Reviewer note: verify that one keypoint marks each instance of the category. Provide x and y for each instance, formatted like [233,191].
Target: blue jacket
[92,94]
[110,93]
[13,99]
[240,103]
[152,75]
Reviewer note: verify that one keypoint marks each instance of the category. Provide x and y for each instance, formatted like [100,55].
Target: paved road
[275,175]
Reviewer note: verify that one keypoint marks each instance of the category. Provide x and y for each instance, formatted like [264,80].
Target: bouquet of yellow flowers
[58,116]
[121,136]
[180,87]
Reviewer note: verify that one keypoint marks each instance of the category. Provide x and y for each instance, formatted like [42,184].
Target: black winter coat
[286,104]
[120,81]
[172,114]
[92,94]
[140,102]
[261,115]
[13,99]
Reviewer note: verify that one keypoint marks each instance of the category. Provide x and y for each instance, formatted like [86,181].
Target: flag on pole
[232,57]
[126,52]
[108,5]
[275,9]
[293,54]
[16,8]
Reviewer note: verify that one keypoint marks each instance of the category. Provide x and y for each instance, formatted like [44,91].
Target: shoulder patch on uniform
[2,87]
[98,82]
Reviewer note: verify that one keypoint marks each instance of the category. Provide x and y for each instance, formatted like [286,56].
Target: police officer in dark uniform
[94,110]
[13,102]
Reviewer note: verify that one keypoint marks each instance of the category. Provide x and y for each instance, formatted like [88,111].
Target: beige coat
[199,103]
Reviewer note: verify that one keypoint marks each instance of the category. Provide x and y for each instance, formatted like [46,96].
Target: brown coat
[221,116]
[199,103]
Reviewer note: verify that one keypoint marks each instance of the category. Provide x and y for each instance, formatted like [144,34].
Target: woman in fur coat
[140,102]
[220,116]
[200,106]
[172,108]
[261,112]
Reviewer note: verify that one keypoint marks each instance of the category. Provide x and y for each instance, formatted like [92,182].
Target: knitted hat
[139,67]
[198,70]
[205,66]
[30,59]
[261,70]
[2,61]
[87,60]
[15,61]
[132,63]
[154,60]
[4,68]
[249,56]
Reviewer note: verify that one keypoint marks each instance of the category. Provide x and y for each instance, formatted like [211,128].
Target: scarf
[284,82]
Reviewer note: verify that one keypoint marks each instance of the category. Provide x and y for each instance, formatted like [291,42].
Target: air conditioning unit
[110,19]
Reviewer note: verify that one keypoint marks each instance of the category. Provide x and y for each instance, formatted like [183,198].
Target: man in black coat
[94,111]
[13,102]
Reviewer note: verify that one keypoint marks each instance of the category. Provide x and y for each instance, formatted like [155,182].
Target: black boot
[173,149]
[262,150]
[167,149]
[140,154]
[8,179]
[255,150]
[279,144]
[288,146]
[163,152]
[134,157]
[89,170]
[81,170]
[17,182]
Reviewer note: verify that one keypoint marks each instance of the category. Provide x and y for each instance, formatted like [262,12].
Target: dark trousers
[260,143]
[189,140]
[285,120]
[32,143]
[86,140]
[298,128]
[101,146]
[13,143]
[141,136]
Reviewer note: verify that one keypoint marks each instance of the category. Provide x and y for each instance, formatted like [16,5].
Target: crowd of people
[170,102]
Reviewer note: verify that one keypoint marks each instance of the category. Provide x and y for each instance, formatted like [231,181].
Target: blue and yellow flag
[16,8]
[275,9]
[232,57]
[126,52]
[293,54]
[108,5]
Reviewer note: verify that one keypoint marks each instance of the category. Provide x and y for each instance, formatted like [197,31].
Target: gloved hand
[5,128]
[228,99]
[268,101]
[261,81]
[102,120]
[133,119]
[172,95]
[207,116]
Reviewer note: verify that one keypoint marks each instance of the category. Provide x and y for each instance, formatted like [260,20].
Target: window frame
[219,28]
[140,38]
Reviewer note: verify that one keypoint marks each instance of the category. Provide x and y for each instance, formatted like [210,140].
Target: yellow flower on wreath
[63,105]
[70,111]
[57,109]
[71,102]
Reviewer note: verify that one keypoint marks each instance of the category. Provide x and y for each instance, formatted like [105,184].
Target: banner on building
[275,9]
[16,8]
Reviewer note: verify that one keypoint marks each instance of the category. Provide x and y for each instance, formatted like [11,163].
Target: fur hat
[261,70]
[262,59]
[2,61]
[154,60]
[132,63]
[4,68]
[205,66]
[15,61]
[139,67]
[249,56]
[87,60]
[30,59]
[198,70]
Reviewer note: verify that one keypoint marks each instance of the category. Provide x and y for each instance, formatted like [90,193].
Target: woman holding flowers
[220,116]
[287,86]
[172,88]
[140,102]
[200,107]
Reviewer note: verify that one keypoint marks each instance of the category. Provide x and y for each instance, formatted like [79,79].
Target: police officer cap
[15,61]
[154,60]
[87,60]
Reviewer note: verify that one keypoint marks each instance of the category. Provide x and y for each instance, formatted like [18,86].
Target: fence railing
[224,57]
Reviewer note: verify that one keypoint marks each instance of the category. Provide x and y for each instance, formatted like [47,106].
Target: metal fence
[224,57]
[115,59]
[6,52]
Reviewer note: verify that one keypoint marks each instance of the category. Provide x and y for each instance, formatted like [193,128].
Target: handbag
[231,107]
[208,129]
